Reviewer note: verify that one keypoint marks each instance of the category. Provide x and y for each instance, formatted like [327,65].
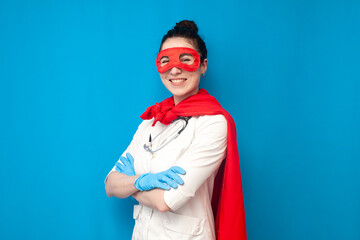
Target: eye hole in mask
[185,58]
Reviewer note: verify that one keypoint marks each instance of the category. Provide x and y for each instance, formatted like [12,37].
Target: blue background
[76,75]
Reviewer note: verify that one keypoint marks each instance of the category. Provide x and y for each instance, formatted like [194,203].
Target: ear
[203,66]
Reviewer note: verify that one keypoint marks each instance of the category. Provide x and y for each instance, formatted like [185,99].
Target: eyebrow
[186,54]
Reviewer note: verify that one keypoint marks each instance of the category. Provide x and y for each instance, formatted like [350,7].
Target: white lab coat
[199,150]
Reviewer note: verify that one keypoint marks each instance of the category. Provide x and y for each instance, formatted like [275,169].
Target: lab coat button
[166,221]
[197,230]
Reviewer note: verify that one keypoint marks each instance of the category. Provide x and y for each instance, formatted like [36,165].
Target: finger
[120,161]
[162,186]
[176,178]
[130,157]
[124,161]
[178,170]
[119,167]
[169,181]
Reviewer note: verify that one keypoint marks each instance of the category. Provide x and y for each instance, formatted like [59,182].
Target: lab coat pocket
[136,215]
[137,210]
[182,227]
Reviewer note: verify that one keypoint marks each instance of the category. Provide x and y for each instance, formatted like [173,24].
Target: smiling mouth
[177,81]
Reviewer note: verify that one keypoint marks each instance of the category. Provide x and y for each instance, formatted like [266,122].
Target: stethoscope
[148,146]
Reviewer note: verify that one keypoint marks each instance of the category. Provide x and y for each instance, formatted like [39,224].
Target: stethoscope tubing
[148,146]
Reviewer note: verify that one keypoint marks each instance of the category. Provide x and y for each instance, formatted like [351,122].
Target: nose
[175,71]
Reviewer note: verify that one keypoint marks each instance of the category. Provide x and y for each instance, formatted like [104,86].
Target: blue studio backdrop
[76,75]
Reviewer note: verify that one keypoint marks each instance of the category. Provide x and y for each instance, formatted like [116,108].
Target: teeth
[177,80]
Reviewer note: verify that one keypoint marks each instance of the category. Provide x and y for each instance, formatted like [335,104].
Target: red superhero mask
[185,58]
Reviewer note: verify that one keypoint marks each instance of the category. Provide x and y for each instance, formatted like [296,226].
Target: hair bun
[188,30]
[187,24]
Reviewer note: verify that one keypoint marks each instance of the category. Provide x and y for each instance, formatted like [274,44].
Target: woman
[174,166]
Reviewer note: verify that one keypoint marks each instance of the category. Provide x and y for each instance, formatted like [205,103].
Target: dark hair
[188,29]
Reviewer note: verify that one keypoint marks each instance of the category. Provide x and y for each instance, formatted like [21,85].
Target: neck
[178,99]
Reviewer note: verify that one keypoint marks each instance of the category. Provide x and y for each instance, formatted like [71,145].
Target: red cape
[227,200]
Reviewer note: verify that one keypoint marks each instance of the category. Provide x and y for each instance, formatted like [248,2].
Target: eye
[164,60]
[187,58]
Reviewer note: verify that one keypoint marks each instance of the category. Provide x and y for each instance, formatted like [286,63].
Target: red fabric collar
[227,201]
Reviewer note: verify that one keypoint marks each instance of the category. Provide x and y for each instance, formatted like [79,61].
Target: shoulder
[211,124]
[145,124]
[211,119]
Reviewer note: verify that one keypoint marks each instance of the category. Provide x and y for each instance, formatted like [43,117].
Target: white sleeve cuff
[175,199]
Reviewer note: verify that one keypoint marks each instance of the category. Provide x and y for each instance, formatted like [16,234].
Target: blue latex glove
[127,166]
[163,180]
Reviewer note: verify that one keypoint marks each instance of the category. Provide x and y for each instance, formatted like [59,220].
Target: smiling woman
[182,165]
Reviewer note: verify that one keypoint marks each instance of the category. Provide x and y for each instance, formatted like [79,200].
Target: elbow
[111,189]
[162,206]
[108,192]
[160,203]
[107,188]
